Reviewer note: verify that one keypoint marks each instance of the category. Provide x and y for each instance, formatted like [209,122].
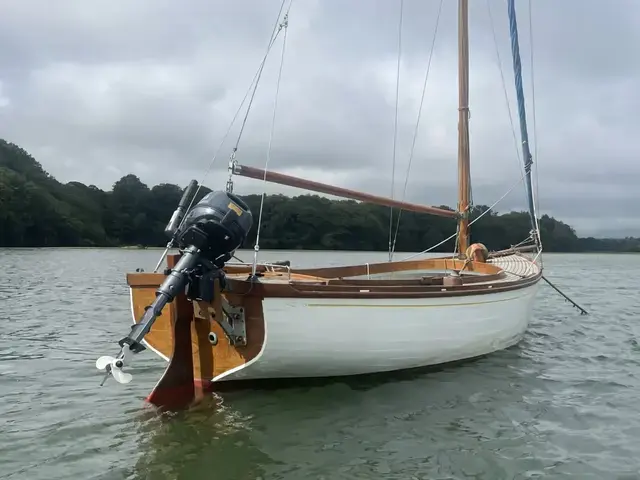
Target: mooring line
[582,310]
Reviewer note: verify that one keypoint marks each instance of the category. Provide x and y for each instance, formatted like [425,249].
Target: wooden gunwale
[155,279]
[320,287]
[271,290]
[324,274]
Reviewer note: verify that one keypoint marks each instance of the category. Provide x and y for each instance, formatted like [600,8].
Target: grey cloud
[100,89]
[103,31]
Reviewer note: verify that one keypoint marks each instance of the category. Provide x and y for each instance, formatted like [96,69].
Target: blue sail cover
[524,135]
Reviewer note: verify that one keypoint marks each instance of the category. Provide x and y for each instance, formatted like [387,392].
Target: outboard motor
[207,237]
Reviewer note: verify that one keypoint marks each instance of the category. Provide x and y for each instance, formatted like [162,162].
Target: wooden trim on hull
[343,272]
[368,291]
[330,283]
[182,383]
[182,334]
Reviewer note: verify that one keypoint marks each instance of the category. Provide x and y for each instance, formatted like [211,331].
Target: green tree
[37,210]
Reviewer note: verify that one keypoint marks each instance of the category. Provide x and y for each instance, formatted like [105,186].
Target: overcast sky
[99,89]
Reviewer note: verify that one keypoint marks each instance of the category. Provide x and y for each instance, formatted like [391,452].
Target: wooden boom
[282,179]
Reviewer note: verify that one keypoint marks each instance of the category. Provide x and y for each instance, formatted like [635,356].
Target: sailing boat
[218,322]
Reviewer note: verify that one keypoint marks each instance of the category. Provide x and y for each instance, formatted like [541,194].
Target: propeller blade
[102,362]
[120,376]
[108,364]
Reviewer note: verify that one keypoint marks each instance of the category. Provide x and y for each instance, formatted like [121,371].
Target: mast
[463,126]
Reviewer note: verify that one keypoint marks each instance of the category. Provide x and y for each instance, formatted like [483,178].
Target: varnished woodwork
[160,336]
[282,179]
[513,250]
[177,388]
[181,333]
[464,189]
[441,263]
[315,282]
[225,355]
[280,290]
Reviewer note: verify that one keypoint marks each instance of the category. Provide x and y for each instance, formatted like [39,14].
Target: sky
[97,90]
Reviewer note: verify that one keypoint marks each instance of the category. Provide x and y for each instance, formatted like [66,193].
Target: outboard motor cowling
[217,225]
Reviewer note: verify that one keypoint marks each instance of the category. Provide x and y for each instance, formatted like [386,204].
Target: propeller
[113,366]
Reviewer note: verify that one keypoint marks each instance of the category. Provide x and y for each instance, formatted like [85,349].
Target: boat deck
[509,268]
[515,266]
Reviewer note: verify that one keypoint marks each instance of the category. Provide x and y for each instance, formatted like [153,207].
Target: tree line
[36,210]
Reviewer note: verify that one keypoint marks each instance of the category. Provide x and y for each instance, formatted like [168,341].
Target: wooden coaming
[441,263]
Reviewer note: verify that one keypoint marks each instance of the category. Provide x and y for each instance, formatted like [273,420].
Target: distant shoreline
[38,211]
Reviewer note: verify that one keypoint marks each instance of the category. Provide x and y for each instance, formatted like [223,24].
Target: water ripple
[562,403]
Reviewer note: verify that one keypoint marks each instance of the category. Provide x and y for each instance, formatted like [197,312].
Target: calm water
[564,403]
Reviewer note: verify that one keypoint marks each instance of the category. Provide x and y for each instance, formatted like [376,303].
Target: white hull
[333,337]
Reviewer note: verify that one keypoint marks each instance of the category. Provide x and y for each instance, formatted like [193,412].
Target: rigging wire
[256,79]
[455,235]
[395,126]
[527,157]
[274,34]
[415,132]
[504,88]
[232,159]
[535,128]
[533,89]
[533,98]
[284,25]
[470,223]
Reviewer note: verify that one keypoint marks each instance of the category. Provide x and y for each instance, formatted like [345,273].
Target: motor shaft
[175,282]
